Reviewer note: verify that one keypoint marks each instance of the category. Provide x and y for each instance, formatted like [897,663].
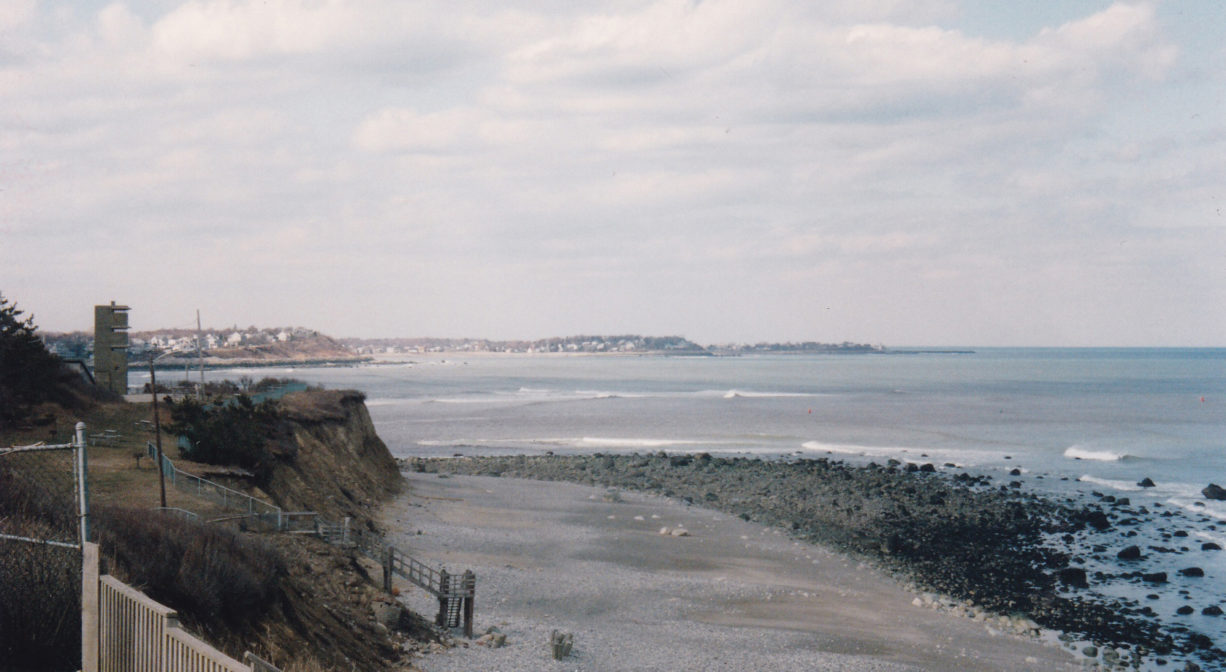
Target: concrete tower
[111,347]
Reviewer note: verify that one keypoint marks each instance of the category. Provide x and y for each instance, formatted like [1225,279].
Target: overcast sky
[898,172]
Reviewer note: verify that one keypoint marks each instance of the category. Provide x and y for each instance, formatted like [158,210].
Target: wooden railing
[455,593]
[138,634]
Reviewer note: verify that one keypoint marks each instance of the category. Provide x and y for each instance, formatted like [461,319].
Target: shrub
[40,584]
[40,603]
[209,574]
[234,433]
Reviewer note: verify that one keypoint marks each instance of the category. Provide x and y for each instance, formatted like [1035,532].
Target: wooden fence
[134,633]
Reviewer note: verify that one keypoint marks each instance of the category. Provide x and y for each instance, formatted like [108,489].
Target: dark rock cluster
[958,534]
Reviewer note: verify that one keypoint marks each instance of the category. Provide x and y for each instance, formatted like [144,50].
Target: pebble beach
[647,582]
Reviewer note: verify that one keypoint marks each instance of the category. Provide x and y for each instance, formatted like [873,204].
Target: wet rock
[1210,546]
[1212,610]
[1154,577]
[1214,491]
[1146,482]
[1185,610]
[1130,553]
[1097,520]
[1073,576]
[1192,571]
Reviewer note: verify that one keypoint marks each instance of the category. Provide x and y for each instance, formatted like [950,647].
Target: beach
[728,595]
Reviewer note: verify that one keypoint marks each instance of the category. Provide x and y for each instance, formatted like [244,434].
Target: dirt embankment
[333,463]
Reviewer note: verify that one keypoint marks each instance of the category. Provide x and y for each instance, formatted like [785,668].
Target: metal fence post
[82,482]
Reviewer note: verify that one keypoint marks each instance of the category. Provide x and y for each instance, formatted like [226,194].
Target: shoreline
[954,535]
[727,595]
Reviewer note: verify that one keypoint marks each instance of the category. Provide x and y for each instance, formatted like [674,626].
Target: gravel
[731,595]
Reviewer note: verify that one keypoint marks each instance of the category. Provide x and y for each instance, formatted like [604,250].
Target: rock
[1155,577]
[1097,520]
[1090,651]
[1212,610]
[1192,571]
[1130,553]
[1146,482]
[1073,576]
[1214,491]
[1210,546]
[1185,610]
[680,532]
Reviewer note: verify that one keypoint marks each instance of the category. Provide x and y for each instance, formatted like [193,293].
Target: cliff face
[329,458]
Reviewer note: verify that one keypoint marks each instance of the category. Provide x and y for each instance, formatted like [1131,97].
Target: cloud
[637,155]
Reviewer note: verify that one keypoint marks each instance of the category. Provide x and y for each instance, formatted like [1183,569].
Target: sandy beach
[729,596]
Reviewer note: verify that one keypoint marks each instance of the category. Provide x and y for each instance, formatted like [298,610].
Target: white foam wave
[750,394]
[391,401]
[594,441]
[1127,486]
[1200,505]
[1081,453]
[463,400]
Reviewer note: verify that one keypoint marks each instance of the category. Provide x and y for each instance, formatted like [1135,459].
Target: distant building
[111,347]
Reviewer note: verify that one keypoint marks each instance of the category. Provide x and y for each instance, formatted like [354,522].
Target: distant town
[625,344]
[234,345]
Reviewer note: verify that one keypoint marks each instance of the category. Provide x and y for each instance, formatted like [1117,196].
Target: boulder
[1214,491]
[1130,553]
[1210,546]
[1185,610]
[387,614]
[1155,577]
[1097,520]
[1212,610]
[1073,576]
[1146,482]
[1192,571]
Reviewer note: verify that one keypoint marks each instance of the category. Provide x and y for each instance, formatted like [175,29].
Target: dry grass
[211,575]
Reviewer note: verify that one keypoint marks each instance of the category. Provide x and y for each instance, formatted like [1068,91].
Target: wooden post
[157,431]
[389,554]
[469,586]
[444,596]
[89,607]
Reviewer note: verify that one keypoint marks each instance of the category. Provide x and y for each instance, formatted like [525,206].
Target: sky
[921,172]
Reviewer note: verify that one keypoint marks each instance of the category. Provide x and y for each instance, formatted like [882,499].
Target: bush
[40,584]
[207,573]
[234,433]
[40,603]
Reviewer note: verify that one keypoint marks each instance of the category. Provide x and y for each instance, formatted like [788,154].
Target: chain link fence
[41,525]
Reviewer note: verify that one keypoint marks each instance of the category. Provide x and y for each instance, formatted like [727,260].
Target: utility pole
[157,430]
[199,357]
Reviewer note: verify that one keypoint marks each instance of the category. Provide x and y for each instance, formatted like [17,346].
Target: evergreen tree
[29,374]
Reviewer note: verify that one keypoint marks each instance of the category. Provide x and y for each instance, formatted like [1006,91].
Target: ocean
[1076,424]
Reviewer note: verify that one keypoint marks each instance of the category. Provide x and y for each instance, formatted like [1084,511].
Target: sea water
[1075,424]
